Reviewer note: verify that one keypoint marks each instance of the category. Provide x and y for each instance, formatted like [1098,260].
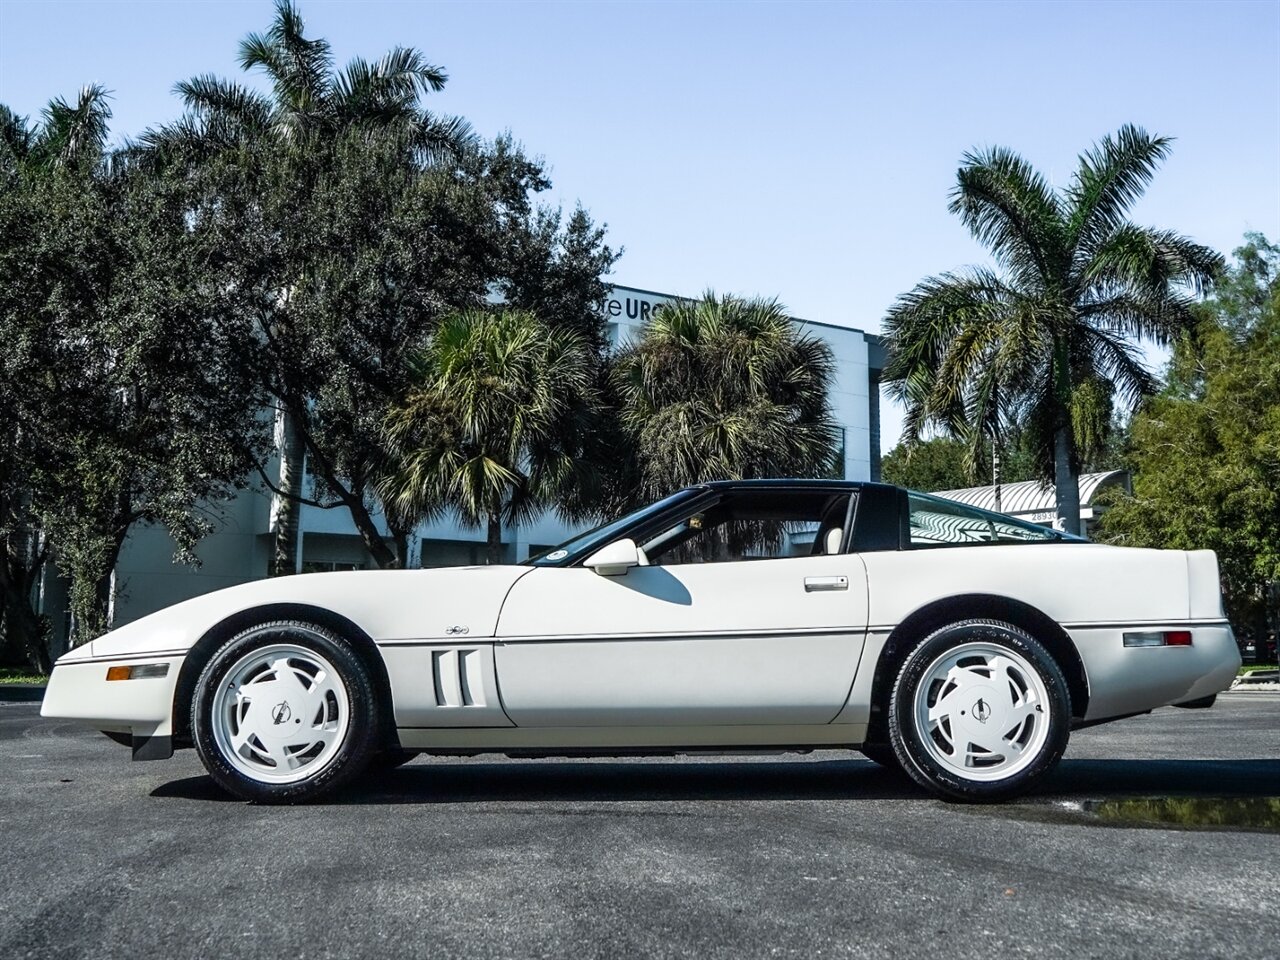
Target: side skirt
[545,741]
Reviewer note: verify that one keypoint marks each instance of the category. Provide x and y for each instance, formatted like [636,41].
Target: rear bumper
[1126,680]
[79,690]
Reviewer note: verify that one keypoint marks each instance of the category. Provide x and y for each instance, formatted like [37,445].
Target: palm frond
[1119,362]
[1110,177]
[1009,207]
[488,428]
[299,68]
[75,134]
[213,98]
[1151,260]
[923,325]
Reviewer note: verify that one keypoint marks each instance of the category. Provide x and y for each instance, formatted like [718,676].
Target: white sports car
[959,645]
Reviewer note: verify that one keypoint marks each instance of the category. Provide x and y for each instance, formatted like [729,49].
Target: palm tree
[492,425]
[725,388]
[1052,332]
[310,104]
[70,135]
[309,98]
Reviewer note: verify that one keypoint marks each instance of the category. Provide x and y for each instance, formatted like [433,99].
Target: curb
[21,693]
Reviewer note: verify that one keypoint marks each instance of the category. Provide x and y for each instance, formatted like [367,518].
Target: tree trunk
[494,547]
[382,555]
[995,474]
[1066,479]
[287,509]
[93,593]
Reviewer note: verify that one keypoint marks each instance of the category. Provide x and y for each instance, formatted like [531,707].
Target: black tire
[881,754]
[350,755]
[1045,746]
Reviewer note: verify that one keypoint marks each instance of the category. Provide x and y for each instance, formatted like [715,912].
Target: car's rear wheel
[284,712]
[980,711]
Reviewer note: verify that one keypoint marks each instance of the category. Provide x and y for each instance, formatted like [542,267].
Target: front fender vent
[458,678]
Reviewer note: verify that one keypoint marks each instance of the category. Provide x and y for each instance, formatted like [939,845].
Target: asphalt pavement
[824,855]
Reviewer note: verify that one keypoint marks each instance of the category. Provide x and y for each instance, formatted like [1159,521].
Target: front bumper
[79,690]
[1127,680]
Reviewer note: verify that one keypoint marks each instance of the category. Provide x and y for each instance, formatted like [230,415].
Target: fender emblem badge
[457,630]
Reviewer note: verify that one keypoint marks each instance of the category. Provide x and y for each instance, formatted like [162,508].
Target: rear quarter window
[938,522]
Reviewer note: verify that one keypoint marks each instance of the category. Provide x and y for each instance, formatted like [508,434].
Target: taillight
[1158,638]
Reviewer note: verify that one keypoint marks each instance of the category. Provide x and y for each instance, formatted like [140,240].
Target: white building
[240,547]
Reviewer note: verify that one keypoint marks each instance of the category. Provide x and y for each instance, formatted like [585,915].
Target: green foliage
[948,463]
[492,425]
[1046,341]
[939,463]
[19,676]
[359,219]
[127,402]
[1206,449]
[724,388]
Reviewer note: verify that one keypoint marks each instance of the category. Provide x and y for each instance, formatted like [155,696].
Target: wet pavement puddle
[1247,814]
[1190,813]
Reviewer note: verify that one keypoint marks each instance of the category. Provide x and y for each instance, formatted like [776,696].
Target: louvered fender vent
[457,677]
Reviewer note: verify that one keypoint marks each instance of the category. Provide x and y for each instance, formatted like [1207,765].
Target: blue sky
[798,150]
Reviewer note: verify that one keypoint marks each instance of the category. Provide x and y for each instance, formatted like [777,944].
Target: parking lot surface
[824,855]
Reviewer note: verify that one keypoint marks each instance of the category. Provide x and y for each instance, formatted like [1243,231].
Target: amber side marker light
[1159,638]
[141,671]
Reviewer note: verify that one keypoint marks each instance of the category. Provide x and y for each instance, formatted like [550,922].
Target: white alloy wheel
[280,714]
[979,711]
[983,711]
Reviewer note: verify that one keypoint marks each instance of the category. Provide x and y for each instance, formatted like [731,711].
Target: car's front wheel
[979,711]
[283,712]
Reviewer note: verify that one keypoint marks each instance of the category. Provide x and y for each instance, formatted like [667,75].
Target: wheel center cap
[281,719]
[981,713]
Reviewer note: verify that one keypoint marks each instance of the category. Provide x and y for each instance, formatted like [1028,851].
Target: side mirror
[615,559]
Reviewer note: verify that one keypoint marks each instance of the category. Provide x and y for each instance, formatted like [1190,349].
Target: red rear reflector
[1177,638]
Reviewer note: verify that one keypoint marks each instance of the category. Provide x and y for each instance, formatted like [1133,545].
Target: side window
[937,522]
[757,525]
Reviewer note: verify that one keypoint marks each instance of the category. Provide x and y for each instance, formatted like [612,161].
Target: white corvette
[959,645]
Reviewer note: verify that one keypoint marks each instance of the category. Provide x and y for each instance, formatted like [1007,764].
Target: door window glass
[754,525]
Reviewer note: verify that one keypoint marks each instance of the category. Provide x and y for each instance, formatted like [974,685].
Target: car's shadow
[852,779]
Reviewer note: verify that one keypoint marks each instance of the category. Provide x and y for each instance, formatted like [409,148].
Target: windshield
[606,533]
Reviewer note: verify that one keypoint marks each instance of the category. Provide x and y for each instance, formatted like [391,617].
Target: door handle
[816,584]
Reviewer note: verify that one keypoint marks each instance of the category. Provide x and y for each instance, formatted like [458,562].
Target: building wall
[239,548]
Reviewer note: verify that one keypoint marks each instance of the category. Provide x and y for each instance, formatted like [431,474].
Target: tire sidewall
[358,744]
[907,740]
